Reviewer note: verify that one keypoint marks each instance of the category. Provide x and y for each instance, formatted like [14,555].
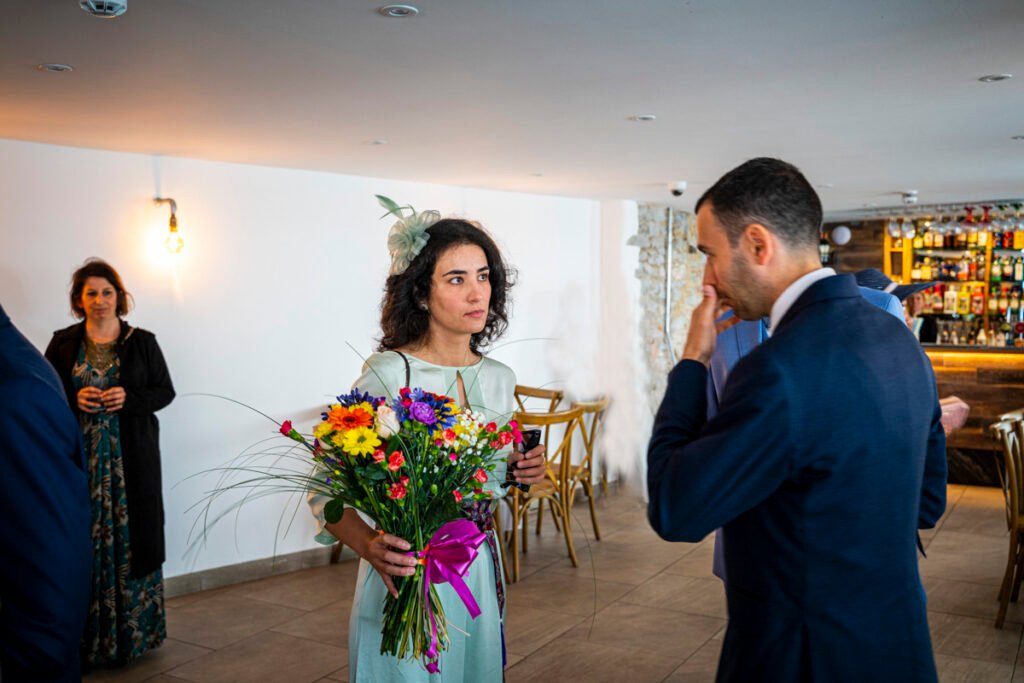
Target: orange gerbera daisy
[344,419]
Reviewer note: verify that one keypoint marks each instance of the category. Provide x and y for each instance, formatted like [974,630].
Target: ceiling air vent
[104,9]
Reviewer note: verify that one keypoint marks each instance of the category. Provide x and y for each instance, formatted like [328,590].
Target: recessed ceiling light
[399,11]
[995,78]
[378,142]
[104,9]
[537,175]
[642,117]
[55,68]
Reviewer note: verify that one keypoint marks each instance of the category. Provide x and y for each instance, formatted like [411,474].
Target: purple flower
[422,413]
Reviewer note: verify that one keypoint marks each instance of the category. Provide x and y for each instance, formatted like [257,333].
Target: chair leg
[336,552]
[1004,590]
[567,529]
[589,489]
[540,516]
[514,540]
[1018,573]
[554,517]
[604,480]
[526,524]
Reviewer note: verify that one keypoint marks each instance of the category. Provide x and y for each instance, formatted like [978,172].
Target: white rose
[387,422]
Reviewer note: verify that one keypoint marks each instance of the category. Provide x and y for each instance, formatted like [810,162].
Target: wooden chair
[582,473]
[551,490]
[1008,434]
[552,396]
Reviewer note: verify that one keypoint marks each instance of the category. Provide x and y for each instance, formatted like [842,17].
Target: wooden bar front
[990,382]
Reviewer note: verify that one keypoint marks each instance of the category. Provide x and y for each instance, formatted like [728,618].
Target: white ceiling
[869,96]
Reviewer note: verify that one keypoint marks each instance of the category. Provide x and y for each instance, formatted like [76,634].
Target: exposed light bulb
[174,243]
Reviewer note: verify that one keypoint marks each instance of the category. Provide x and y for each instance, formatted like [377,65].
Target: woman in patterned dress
[115,378]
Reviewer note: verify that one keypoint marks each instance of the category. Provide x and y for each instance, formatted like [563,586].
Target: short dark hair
[404,321]
[770,192]
[97,267]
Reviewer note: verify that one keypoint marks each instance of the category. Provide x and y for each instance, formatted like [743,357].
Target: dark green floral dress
[126,614]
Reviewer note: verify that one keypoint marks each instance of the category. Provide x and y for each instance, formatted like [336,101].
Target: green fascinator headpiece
[408,235]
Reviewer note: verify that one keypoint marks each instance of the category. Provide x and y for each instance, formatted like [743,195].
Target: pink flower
[480,475]
[396,461]
[286,427]
[378,456]
[449,435]
[517,436]
[491,427]
[397,491]
[453,456]
[505,438]
[458,496]
[438,442]
[495,444]
[403,479]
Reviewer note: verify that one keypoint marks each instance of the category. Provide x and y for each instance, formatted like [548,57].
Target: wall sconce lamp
[173,243]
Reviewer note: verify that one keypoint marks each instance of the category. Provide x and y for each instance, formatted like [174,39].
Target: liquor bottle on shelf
[1018,236]
[983,237]
[918,240]
[949,300]
[993,302]
[1018,329]
[982,338]
[1008,240]
[915,271]
[1018,269]
[963,301]
[978,300]
[1007,268]
[972,269]
[1014,301]
[997,270]
[981,266]
[1004,300]
[926,269]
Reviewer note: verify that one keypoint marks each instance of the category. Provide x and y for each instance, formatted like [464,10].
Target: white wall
[281,269]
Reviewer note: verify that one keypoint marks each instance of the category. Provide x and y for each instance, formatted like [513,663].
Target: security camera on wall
[677,188]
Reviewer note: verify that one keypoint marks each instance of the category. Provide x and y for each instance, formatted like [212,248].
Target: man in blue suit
[738,340]
[44,504]
[826,456]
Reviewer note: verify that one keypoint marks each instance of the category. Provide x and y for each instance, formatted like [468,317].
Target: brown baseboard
[218,577]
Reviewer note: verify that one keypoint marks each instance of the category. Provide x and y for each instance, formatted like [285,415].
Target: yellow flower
[360,441]
[322,429]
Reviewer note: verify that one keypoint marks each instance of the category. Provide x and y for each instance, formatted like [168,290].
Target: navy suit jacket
[826,456]
[739,340]
[45,538]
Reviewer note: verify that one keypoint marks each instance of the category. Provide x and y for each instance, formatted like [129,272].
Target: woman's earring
[423,306]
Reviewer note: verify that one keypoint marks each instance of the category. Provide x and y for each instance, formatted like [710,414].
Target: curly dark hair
[403,321]
[97,267]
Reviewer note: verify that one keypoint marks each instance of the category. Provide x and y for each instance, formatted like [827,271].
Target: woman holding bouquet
[444,300]
[115,378]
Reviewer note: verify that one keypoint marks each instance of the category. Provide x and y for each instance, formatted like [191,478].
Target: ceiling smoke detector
[104,9]
[909,197]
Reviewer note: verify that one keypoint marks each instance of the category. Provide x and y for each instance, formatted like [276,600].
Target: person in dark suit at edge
[44,503]
[823,502]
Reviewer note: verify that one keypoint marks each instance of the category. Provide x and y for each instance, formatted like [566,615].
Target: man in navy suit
[826,456]
[44,504]
[738,340]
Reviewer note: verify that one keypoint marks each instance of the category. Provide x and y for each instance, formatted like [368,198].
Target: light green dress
[476,657]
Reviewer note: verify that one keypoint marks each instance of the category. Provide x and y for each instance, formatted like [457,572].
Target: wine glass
[907,229]
[893,228]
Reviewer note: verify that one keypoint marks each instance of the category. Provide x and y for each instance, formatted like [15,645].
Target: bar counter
[990,380]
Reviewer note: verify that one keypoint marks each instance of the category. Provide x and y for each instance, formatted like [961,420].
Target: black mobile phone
[531,439]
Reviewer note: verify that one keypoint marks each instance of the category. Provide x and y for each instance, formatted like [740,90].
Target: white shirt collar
[792,293]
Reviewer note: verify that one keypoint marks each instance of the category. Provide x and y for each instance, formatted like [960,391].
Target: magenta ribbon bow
[446,559]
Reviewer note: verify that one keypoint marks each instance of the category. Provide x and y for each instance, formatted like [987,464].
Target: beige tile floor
[637,609]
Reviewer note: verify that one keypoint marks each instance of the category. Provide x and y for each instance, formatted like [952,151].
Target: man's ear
[759,243]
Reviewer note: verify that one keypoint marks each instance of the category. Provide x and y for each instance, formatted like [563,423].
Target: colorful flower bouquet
[410,464]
